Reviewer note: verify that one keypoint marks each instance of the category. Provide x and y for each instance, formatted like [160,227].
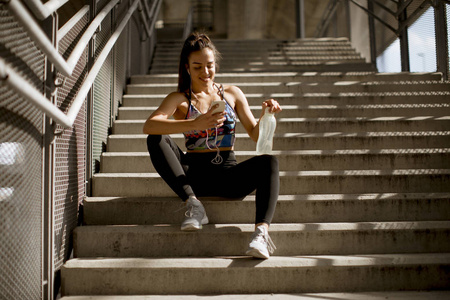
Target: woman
[209,167]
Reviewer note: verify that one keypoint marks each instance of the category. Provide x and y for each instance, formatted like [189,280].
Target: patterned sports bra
[206,139]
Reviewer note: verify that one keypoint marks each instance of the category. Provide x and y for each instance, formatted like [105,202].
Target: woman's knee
[154,141]
[269,162]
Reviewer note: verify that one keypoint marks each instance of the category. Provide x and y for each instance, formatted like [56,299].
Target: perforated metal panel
[70,154]
[120,59]
[422,43]
[21,142]
[447,8]
[102,95]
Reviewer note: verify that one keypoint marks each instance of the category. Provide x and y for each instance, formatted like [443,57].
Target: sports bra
[197,139]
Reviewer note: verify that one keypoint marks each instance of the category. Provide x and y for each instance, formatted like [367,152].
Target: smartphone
[220,108]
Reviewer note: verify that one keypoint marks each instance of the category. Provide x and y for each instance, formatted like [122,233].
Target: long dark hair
[195,42]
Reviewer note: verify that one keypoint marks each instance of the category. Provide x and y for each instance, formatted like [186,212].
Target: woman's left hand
[273,105]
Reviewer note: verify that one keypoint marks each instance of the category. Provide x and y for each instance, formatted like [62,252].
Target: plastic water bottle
[267,126]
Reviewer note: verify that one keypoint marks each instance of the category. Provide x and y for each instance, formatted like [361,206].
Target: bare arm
[246,116]
[159,122]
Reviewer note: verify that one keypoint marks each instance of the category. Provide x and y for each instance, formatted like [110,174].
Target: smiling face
[202,66]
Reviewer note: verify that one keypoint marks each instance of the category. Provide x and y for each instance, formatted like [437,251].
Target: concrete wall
[175,11]
[360,31]
[247,19]
[281,19]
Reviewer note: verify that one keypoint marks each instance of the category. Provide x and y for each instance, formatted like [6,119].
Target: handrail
[157,5]
[87,35]
[43,11]
[74,20]
[35,97]
[375,16]
[326,17]
[188,24]
[30,93]
[39,37]
[86,86]
[143,19]
[46,46]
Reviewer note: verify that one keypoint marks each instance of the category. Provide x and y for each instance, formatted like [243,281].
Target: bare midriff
[213,150]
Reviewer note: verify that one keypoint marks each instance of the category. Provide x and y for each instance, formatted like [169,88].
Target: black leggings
[190,174]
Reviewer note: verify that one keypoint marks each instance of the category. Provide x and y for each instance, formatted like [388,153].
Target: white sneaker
[261,243]
[195,215]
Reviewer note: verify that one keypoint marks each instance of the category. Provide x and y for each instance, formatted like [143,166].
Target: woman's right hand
[210,120]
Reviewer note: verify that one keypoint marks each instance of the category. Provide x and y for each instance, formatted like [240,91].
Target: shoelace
[192,211]
[266,238]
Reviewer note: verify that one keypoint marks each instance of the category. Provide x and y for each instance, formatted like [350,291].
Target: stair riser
[137,242]
[294,77]
[259,61]
[142,164]
[144,212]
[229,57]
[325,126]
[304,88]
[241,45]
[129,186]
[257,99]
[304,67]
[234,50]
[304,112]
[305,143]
[236,280]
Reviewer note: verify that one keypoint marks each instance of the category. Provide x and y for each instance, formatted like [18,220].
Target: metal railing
[29,93]
[43,11]
[405,13]
[75,62]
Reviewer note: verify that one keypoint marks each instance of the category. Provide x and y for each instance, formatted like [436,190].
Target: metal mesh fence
[21,143]
[422,43]
[70,151]
[120,60]
[102,91]
[447,9]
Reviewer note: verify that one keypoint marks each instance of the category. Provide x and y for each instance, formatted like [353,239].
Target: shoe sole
[256,253]
[191,227]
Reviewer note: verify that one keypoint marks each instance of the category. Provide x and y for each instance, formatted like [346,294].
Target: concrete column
[247,19]
[360,32]
[220,21]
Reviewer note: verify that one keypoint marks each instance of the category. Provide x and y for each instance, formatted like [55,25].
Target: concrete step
[247,49]
[169,53]
[311,66]
[301,88]
[323,111]
[410,295]
[286,125]
[290,239]
[305,160]
[292,182]
[235,54]
[259,60]
[296,77]
[266,51]
[314,99]
[243,45]
[306,274]
[308,141]
[309,208]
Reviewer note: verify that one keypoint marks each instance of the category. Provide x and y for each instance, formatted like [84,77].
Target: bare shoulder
[234,94]
[175,97]
[174,104]
[233,90]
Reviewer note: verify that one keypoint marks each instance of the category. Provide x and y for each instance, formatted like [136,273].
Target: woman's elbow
[147,128]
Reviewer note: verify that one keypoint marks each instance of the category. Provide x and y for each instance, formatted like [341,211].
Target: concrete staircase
[365,187]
